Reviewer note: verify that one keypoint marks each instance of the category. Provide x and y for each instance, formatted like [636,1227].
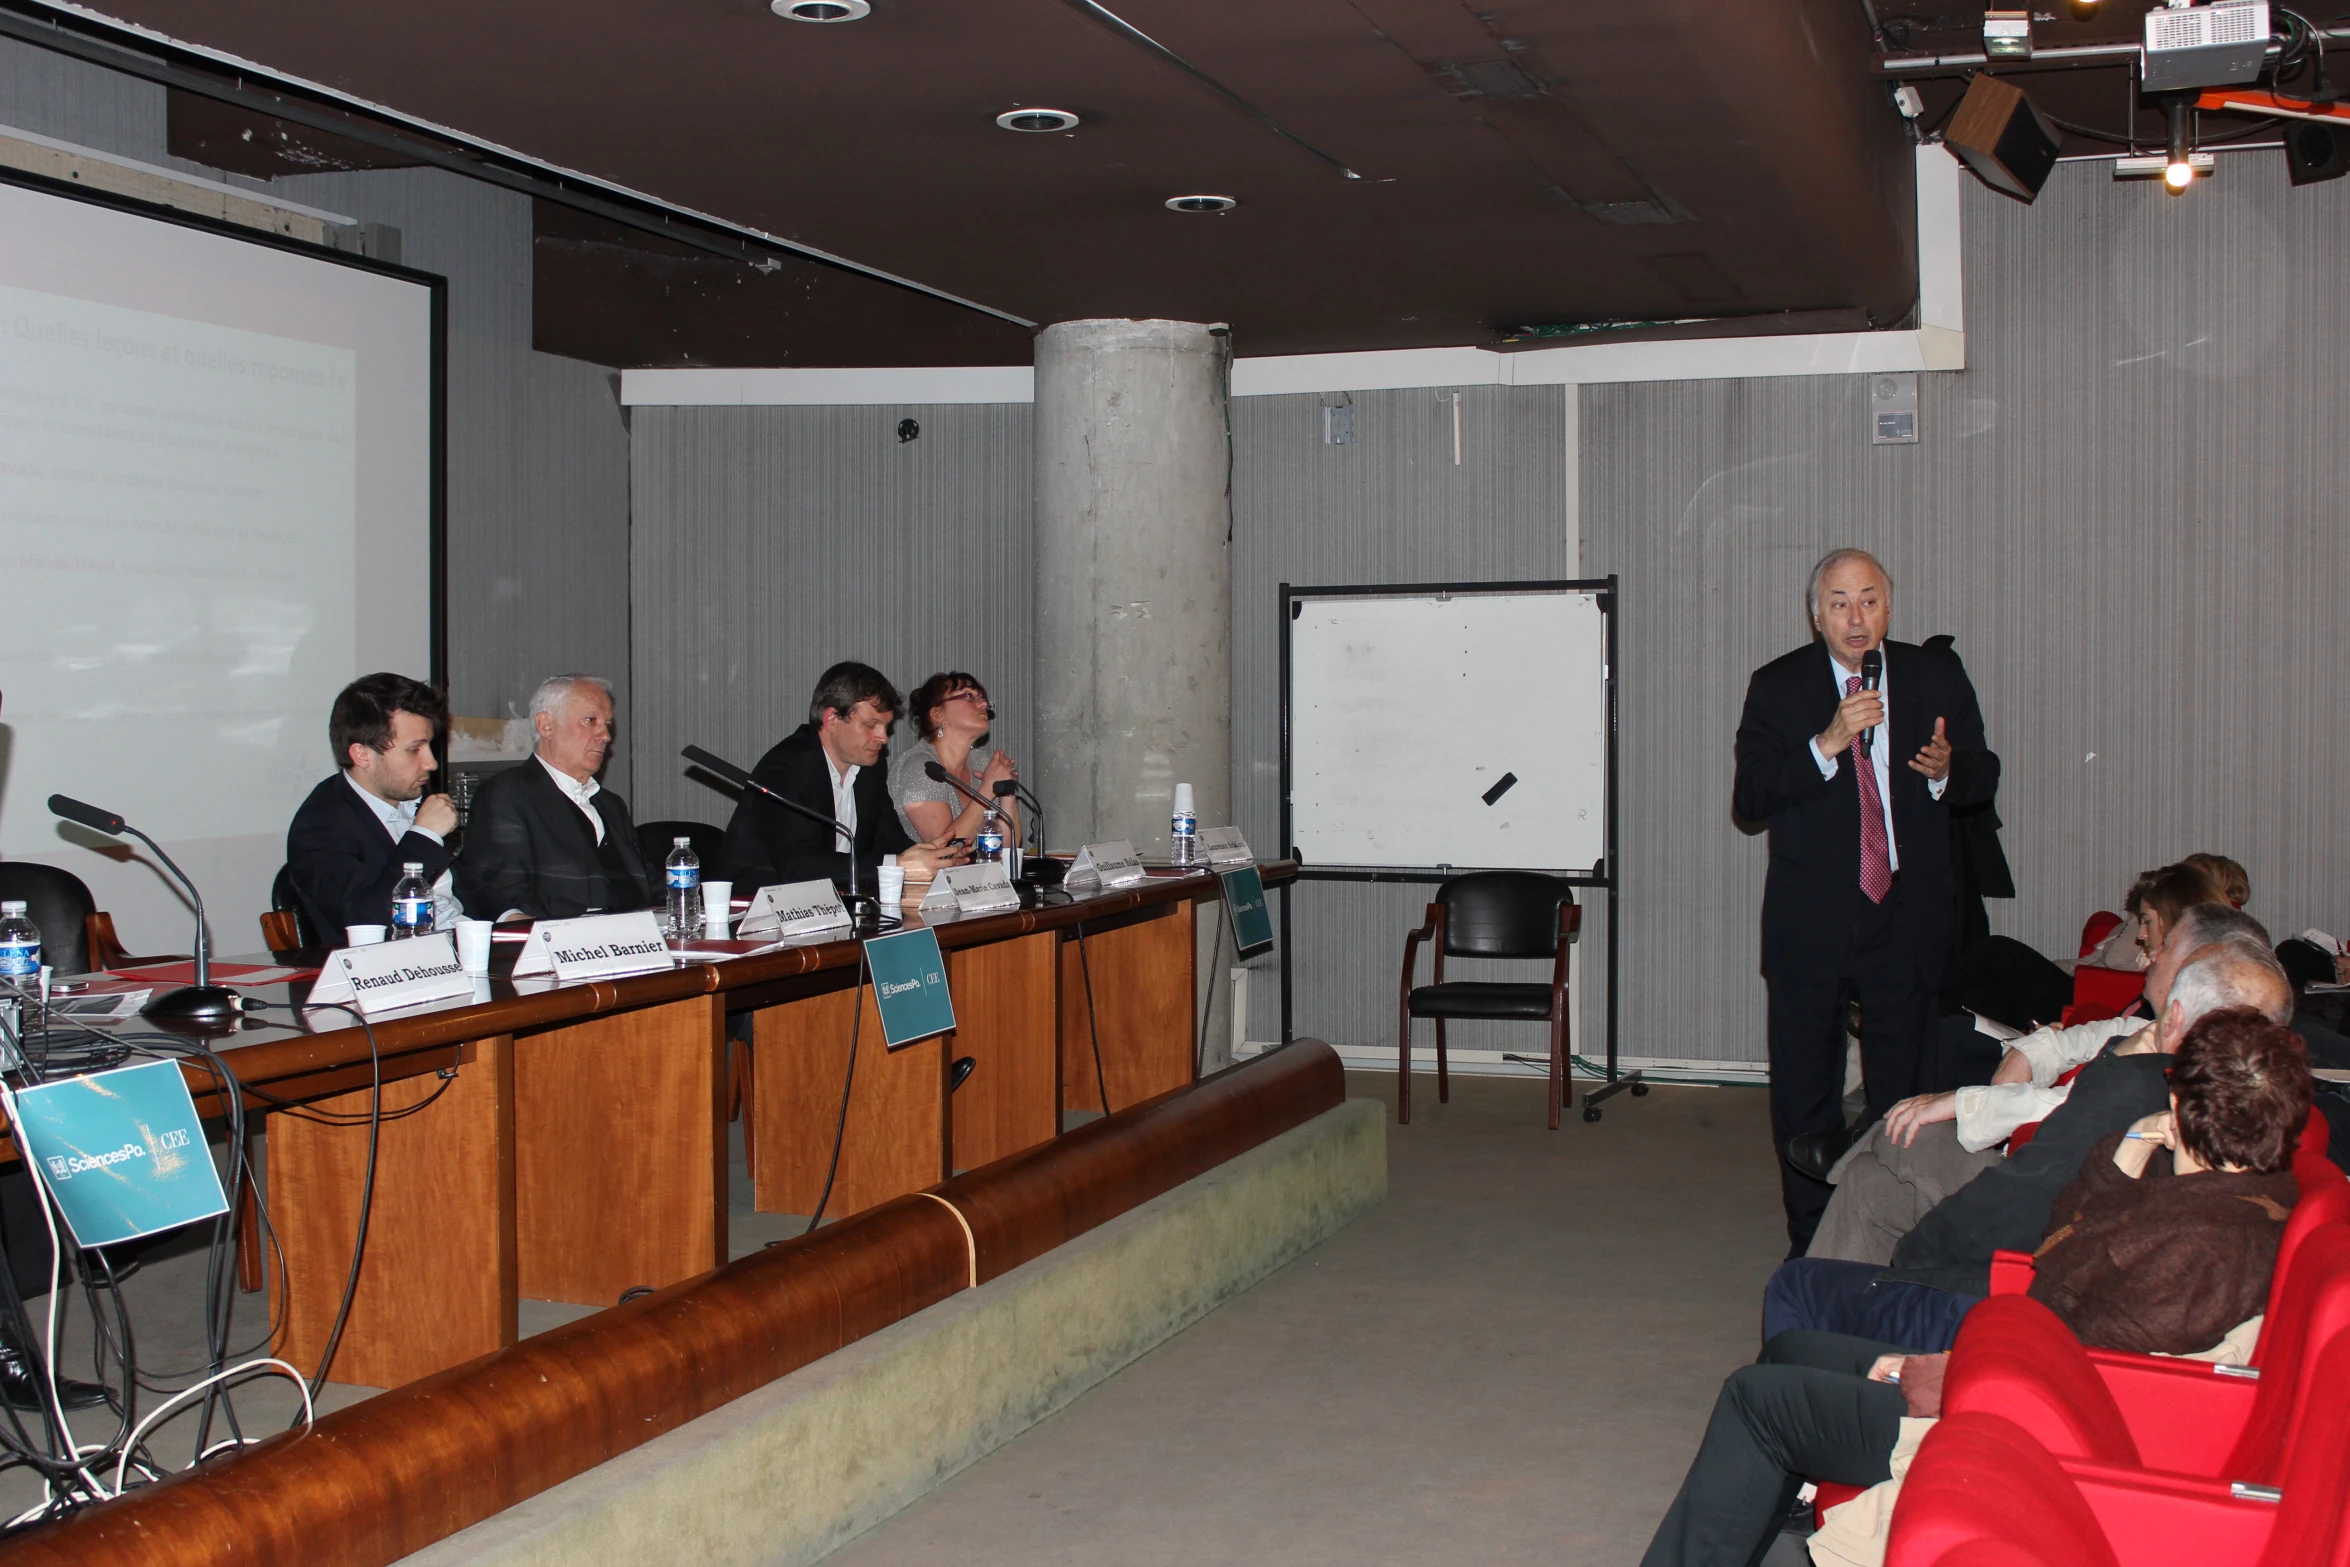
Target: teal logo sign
[122,1152]
[1252,923]
[910,986]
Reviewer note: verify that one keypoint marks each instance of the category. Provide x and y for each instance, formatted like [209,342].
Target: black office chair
[287,927]
[655,839]
[59,902]
[1492,914]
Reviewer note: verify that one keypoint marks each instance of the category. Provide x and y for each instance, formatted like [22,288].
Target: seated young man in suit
[546,841]
[350,838]
[830,764]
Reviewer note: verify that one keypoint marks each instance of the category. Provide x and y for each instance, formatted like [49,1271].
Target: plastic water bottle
[1183,830]
[411,903]
[20,949]
[682,920]
[989,845]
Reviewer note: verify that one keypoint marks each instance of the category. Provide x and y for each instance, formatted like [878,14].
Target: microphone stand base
[197,1004]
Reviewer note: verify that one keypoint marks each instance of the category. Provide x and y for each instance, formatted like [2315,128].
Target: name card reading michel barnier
[394,974]
[597,945]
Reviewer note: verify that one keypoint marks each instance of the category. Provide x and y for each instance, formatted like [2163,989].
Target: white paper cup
[891,885]
[362,935]
[473,945]
[717,907]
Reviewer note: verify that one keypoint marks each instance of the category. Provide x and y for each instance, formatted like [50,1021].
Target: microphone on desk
[743,780]
[202,1002]
[1872,674]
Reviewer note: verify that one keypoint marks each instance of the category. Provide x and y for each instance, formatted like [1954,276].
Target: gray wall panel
[771,542]
[2125,512]
[1390,507]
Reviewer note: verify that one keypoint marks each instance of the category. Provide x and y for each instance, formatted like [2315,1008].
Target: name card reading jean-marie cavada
[393,974]
[598,945]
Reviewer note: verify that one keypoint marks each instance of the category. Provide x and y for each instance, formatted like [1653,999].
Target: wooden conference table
[568,1142]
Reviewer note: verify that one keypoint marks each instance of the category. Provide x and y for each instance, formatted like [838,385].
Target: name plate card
[594,947]
[795,909]
[122,1152]
[980,889]
[394,974]
[1110,864]
[909,986]
[1225,846]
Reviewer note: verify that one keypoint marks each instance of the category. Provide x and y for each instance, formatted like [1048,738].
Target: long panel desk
[568,1142]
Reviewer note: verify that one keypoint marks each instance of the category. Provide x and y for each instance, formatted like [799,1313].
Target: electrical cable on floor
[840,1130]
[1092,1025]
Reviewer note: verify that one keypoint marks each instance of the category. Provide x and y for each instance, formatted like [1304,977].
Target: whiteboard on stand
[1450,729]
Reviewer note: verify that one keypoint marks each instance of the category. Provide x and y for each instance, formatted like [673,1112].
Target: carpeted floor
[1510,1361]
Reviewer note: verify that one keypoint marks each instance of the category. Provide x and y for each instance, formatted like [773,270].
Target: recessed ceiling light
[1036,120]
[821,10]
[1201,203]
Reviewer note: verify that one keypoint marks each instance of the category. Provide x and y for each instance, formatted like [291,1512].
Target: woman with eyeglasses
[950,714]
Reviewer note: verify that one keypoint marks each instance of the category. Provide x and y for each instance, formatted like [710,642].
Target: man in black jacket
[1856,787]
[546,840]
[831,765]
[350,838]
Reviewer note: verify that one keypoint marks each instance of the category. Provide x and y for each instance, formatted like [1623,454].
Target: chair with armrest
[285,926]
[1491,914]
[655,839]
[59,903]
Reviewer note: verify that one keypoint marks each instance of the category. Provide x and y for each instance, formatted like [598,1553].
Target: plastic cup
[473,945]
[362,935]
[891,885]
[717,907]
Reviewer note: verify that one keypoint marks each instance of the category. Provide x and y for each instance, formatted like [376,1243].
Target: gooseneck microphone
[743,780]
[1872,674]
[202,1002]
[937,773]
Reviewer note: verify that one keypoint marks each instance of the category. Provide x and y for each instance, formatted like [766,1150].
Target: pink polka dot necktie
[1876,863]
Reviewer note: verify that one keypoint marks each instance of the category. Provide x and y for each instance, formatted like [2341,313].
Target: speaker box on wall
[2316,152]
[2007,142]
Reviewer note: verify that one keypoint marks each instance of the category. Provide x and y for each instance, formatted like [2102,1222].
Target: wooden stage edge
[387,1477]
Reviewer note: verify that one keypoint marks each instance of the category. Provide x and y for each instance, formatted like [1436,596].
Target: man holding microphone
[1852,751]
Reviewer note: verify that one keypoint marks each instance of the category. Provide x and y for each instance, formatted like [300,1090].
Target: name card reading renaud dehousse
[794,909]
[597,945]
[394,974]
[972,889]
[1113,864]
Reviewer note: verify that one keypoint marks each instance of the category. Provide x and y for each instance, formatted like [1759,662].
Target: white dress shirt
[1880,756]
[579,794]
[844,801]
[400,820]
[1989,1112]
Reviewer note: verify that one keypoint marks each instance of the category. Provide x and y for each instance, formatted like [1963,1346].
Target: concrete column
[1134,593]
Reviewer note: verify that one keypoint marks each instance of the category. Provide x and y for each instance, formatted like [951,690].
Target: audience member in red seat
[2153,905]
[1943,1266]
[2234,883]
[2149,1253]
[1930,1146]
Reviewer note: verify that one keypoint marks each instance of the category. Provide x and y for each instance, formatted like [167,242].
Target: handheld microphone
[1872,674]
[203,1002]
[743,780]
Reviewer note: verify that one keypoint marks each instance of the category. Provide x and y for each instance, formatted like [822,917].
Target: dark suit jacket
[767,845]
[528,847]
[344,865]
[1815,823]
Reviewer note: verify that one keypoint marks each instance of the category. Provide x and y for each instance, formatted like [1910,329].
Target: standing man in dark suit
[1856,787]
[830,764]
[350,838]
[546,841]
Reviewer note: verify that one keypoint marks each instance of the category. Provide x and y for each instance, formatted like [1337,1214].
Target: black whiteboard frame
[1607,875]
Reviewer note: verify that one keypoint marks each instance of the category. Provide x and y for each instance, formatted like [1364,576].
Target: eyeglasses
[973,696]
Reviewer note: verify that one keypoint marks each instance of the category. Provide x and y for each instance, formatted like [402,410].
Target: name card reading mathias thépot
[600,944]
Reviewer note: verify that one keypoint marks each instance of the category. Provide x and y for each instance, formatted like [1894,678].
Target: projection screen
[218,504]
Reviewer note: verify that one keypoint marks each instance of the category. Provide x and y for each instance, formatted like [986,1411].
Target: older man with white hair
[1853,751]
[546,840]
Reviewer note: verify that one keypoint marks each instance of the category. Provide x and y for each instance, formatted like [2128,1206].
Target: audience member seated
[2152,903]
[1941,1267]
[950,714]
[545,839]
[2148,1253]
[2232,880]
[1930,1146]
[828,765]
[349,840]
